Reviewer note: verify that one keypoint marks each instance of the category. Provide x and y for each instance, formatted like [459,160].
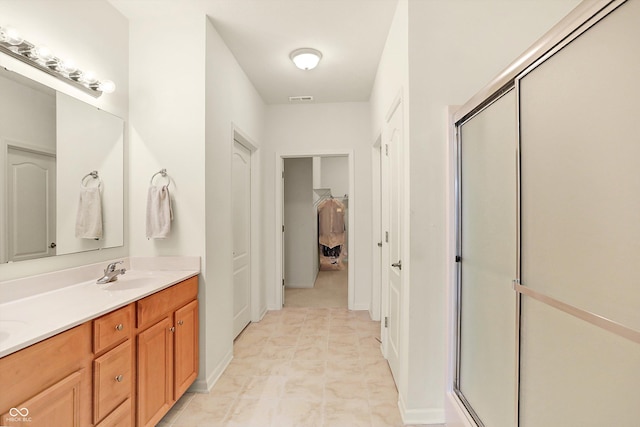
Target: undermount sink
[133,280]
[127,284]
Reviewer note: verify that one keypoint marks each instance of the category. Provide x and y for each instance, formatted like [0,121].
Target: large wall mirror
[50,144]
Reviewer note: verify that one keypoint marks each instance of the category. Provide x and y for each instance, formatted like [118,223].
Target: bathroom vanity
[127,352]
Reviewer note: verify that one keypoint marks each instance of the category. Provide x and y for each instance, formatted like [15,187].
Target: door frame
[257,312]
[376,230]
[279,222]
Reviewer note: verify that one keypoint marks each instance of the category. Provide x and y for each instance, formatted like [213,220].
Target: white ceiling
[262,33]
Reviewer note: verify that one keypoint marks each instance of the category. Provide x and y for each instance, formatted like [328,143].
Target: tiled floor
[299,367]
[329,290]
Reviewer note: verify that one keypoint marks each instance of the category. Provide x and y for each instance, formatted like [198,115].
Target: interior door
[241,202]
[31,219]
[393,198]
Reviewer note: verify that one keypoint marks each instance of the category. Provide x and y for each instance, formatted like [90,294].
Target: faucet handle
[112,266]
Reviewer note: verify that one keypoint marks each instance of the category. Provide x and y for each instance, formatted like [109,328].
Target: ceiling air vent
[304,98]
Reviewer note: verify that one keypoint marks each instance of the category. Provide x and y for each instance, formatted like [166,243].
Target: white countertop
[28,319]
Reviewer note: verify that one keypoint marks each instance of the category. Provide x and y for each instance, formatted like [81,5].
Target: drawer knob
[180,322]
[119,378]
[172,329]
[119,327]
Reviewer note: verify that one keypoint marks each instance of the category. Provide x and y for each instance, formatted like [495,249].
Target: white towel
[89,217]
[159,212]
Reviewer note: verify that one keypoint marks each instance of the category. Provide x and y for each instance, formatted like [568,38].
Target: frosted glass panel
[488,316]
[575,374]
[581,171]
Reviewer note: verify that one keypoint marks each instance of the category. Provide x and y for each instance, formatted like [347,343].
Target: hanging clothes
[331,234]
[331,231]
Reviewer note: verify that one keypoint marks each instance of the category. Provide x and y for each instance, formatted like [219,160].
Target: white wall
[335,175]
[182,119]
[300,237]
[439,53]
[455,48]
[232,104]
[321,129]
[70,28]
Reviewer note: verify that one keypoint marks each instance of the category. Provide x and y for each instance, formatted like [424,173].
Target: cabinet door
[186,348]
[112,378]
[155,372]
[58,405]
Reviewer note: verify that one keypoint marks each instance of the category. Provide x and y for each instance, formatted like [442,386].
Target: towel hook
[94,175]
[163,173]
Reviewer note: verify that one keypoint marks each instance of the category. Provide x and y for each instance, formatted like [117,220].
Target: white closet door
[241,195]
[487,361]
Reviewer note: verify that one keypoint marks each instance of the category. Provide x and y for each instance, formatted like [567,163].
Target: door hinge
[379,244]
[283,228]
[386,149]
[282,174]
[386,322]
[386,236]
[282,282]
[458,258]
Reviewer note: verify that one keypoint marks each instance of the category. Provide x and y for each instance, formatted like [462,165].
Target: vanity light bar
[42,58]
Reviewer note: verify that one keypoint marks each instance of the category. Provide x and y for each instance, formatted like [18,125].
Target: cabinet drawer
[112,380]
[112,328]
[121,417]
[156,306]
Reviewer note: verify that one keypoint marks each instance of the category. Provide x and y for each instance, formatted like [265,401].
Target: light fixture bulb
[306,58]
[44,59]
[44,53]
[68,66]
[11,36]
[88,77]
[106,86]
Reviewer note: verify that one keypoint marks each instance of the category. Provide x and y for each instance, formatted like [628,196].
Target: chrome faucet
[111,273]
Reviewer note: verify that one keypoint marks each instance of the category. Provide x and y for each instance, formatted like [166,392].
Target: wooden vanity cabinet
[167,349]
[114,366]
[122,369]
[49,383]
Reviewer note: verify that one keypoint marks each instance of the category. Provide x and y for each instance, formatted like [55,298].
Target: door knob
[397,265]
[53,245]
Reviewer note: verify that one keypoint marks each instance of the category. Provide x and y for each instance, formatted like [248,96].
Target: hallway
[330,290]
[299,367]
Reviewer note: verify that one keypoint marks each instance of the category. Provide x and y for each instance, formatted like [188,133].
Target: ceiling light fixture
[306,58]
[43,59]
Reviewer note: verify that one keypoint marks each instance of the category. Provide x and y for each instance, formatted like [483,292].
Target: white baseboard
[204,386]
[263,312]
[299,285]
[361,306]
[427,416]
